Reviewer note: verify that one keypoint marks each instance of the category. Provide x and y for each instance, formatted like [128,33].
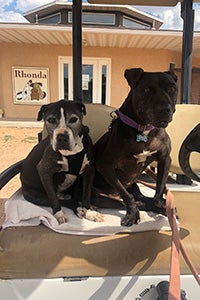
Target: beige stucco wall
[47,56]
[125,58]
[30,56]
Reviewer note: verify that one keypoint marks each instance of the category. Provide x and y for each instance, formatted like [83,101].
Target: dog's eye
[171,89]
[73,120]
[51,120]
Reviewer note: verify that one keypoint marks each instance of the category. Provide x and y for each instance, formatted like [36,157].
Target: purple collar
[130,122]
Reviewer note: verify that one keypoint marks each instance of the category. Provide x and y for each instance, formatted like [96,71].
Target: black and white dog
[60,167]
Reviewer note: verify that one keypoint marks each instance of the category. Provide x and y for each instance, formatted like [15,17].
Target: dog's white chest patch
[69,180]
[142,157]
[64,164]
[84,164]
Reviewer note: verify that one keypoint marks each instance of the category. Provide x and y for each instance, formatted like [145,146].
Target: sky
[12,11]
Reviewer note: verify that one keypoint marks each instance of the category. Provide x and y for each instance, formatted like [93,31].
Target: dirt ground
[15,144]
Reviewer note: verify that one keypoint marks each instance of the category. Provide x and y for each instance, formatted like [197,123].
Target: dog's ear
[81,106]
[172,74]
[133,75]
[43,109]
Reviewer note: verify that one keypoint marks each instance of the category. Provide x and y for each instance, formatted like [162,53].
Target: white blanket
[20,212]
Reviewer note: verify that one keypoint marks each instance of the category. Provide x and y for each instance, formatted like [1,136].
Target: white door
[95,79]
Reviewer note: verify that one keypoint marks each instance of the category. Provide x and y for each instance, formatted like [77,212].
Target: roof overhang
[96,37]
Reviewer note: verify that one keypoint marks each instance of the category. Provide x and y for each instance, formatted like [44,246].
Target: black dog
[136,138]
[62,163]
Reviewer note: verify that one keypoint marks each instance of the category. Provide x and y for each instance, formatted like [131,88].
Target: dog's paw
[91,215]
[60,217]
[131,219]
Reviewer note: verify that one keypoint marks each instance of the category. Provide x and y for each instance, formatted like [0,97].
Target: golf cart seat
[186,117]
[38,252]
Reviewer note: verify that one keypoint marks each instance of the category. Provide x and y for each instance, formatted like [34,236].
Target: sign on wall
[30,85]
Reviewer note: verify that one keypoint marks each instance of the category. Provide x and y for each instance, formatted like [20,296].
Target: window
[53,19]
[95,79]
[130,23]
[95,18]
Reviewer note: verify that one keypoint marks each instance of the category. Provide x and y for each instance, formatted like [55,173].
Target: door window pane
[66,81]
[103,84]
[87,83]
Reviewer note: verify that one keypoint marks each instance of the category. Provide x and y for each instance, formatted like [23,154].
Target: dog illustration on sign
[31,91]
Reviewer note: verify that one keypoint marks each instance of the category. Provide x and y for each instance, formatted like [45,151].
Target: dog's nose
[62,139]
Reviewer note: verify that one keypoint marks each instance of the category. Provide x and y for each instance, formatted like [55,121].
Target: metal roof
[96,37]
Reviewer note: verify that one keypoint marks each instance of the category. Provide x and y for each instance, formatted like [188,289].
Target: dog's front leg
[86,210]
[132,212]
[162,175]
[88,178]
[46,177]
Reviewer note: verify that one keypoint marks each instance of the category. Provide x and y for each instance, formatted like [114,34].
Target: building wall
[125,58]
[30,56]
[47,56]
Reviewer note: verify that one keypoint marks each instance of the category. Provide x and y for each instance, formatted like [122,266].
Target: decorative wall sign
[30,85]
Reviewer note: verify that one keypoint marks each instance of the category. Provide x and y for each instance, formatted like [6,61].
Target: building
[36,57]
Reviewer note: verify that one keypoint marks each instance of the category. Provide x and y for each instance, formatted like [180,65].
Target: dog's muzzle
[159,116]
[63,139]
[164,115]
